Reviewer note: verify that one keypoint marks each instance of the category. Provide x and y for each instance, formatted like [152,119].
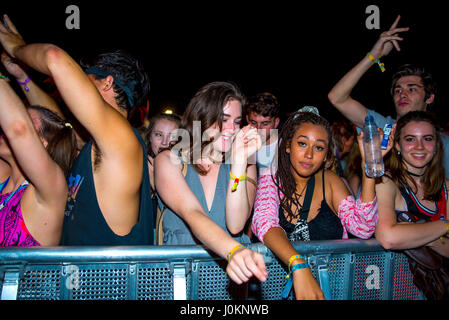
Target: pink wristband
[24,83]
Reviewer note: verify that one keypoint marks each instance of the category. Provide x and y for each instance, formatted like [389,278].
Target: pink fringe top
[358,218]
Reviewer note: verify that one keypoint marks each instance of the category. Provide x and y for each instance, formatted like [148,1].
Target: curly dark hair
[265,104]
[284,179]
[129,72]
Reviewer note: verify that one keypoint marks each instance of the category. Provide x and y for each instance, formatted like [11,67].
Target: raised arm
[33,93]
[79,93]
[168,176]
[44,174]
[44,201]
[239,202]
[340,94]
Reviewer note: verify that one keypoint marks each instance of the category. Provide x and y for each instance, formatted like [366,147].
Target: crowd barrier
[345,269]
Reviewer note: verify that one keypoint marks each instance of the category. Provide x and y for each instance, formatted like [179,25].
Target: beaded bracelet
[25,83]
[381,65]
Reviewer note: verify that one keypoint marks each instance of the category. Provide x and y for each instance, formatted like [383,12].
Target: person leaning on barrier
[36,151]
[108,184]
[304,201]
[412,87]
[213,201]
[415,182]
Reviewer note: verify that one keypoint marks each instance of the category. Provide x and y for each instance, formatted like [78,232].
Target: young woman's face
[308,149]
[417,144]
[162,135]
[232,117]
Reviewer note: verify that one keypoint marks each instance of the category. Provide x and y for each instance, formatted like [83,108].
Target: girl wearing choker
[415,182]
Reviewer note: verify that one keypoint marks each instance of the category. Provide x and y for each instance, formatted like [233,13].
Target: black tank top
[84,223]
[325,226]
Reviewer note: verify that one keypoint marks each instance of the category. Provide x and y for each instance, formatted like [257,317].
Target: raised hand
[388,40]
[384,152]
[246,143]
[13,67]
[10,38]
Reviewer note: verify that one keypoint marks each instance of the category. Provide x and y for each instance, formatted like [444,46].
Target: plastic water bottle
[374,164]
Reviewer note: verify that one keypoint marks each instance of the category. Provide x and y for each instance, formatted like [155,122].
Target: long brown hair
[284,179]
[434,175]
[206,106]
[61,138]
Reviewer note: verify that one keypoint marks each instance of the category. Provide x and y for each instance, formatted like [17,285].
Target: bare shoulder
[167,158]
[386,188]
[333,179]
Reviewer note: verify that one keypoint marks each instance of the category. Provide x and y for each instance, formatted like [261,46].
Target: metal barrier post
[10,285]
[179,282]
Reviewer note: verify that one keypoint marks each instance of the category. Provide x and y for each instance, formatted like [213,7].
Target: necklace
[414,174]
[297,197]
[24,184]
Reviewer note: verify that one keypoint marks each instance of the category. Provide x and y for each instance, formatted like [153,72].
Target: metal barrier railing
[345,269]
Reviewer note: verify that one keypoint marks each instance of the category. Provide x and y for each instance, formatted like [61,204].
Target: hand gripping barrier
[345,269]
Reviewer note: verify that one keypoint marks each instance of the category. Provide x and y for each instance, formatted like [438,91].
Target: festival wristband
[233,250]
[381,65]
[236,180]
[25,83]
[289,285]
[293,258]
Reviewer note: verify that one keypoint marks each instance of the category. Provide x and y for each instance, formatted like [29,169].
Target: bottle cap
[369,119]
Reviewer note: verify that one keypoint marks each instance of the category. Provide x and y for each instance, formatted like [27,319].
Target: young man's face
[262,124]
[409,95]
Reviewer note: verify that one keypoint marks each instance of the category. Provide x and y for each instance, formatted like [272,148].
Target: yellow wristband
[233,250]
[293,258]
[236,180]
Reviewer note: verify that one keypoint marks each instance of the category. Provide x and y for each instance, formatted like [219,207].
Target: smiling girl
[415,183]
[213,201]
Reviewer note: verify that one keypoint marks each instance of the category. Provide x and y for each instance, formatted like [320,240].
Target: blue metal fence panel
[346,270]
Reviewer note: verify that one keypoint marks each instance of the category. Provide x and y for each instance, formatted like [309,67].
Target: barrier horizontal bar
[88,254]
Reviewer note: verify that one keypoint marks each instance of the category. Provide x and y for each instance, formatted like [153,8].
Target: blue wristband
[288,286]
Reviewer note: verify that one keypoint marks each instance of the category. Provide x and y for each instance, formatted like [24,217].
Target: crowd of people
[205,177]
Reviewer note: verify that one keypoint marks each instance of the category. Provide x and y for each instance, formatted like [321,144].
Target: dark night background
[296,50]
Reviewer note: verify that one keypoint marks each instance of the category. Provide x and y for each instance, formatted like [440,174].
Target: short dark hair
[412,70]
[130,73]
[265,104]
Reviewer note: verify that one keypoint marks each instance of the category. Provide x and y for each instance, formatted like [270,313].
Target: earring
[399,153]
